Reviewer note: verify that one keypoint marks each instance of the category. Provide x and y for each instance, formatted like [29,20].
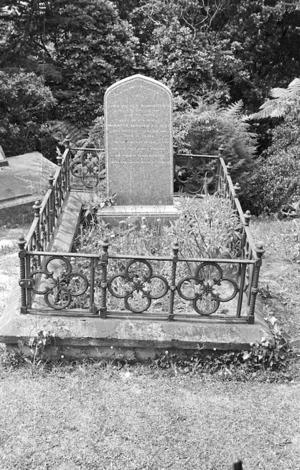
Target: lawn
[140,417]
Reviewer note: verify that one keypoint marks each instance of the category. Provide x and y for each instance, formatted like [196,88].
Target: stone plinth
[138,140]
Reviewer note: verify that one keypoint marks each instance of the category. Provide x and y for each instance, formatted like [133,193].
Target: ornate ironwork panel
[207,288]
[137,285]
[194,175]
[58,283]
[86,166]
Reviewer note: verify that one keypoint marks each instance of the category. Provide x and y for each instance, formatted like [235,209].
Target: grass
[139,418]
[280,274]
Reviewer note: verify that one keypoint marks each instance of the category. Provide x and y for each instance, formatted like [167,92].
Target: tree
[24,105]
[80,47]
[236,49]
[276,180]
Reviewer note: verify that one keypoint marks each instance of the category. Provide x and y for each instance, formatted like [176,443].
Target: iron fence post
[36,207]
[92,286]
[51,222]
[247,218]
[221,175]
[104,264]
[67,143]
[254,286]
[175,249]
[22,282]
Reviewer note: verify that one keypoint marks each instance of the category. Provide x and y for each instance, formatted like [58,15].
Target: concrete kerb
[82,337]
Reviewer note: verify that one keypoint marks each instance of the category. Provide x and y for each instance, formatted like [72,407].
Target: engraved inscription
[138,132]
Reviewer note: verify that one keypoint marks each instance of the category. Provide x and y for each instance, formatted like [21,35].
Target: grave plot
[200,263]
[95,261]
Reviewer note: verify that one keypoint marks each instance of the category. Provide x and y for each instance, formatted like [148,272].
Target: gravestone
[139,143]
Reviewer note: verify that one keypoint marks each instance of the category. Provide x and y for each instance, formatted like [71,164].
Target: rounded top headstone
[139,141]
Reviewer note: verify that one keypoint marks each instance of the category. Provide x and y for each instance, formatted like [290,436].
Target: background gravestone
[138,141]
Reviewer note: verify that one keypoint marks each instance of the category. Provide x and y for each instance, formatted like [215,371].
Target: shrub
[276,180]
[202,130]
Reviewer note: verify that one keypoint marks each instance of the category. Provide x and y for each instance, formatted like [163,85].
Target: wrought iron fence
[106,284]
[160,287]
[196,174]
[47,212]
[87,167]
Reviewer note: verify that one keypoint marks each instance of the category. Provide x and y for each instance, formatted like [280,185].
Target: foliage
[95,204]
[285,101]
[275,182]
[94,48]
[235,49]
[262,361]
[206,227]
[204,129]
[80,48]
[275,185]
[30,353]
[24,104]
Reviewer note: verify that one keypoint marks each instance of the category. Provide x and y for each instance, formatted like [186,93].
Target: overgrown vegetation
[207,227]
[68,54]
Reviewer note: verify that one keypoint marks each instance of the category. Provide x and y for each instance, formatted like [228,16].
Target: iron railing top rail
[30,234]
[219,157]
[57,254]
[100,149]
[46,197]
[244,220]
[196,155]
[97,149]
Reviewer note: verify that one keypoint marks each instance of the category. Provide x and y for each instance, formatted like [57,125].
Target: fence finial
[36,207]
[229,167]
[67,141]
[237,188]
[247,217]
[221,150]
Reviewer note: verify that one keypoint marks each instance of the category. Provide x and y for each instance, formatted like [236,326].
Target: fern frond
[234,110]
[284,99]
[294,87]
[279,93]
[270,108]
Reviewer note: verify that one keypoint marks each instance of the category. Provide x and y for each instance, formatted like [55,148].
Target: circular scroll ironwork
[194,180]
[58,283]
[207,288]
[138,286]
[86,166]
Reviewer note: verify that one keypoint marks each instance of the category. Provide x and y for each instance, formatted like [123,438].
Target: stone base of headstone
[114,214]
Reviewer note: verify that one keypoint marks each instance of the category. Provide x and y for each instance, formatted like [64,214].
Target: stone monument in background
[139,145]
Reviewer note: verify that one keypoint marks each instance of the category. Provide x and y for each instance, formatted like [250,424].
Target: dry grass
[138,418]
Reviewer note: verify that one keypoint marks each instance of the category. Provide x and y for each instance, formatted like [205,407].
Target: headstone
[139,143]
